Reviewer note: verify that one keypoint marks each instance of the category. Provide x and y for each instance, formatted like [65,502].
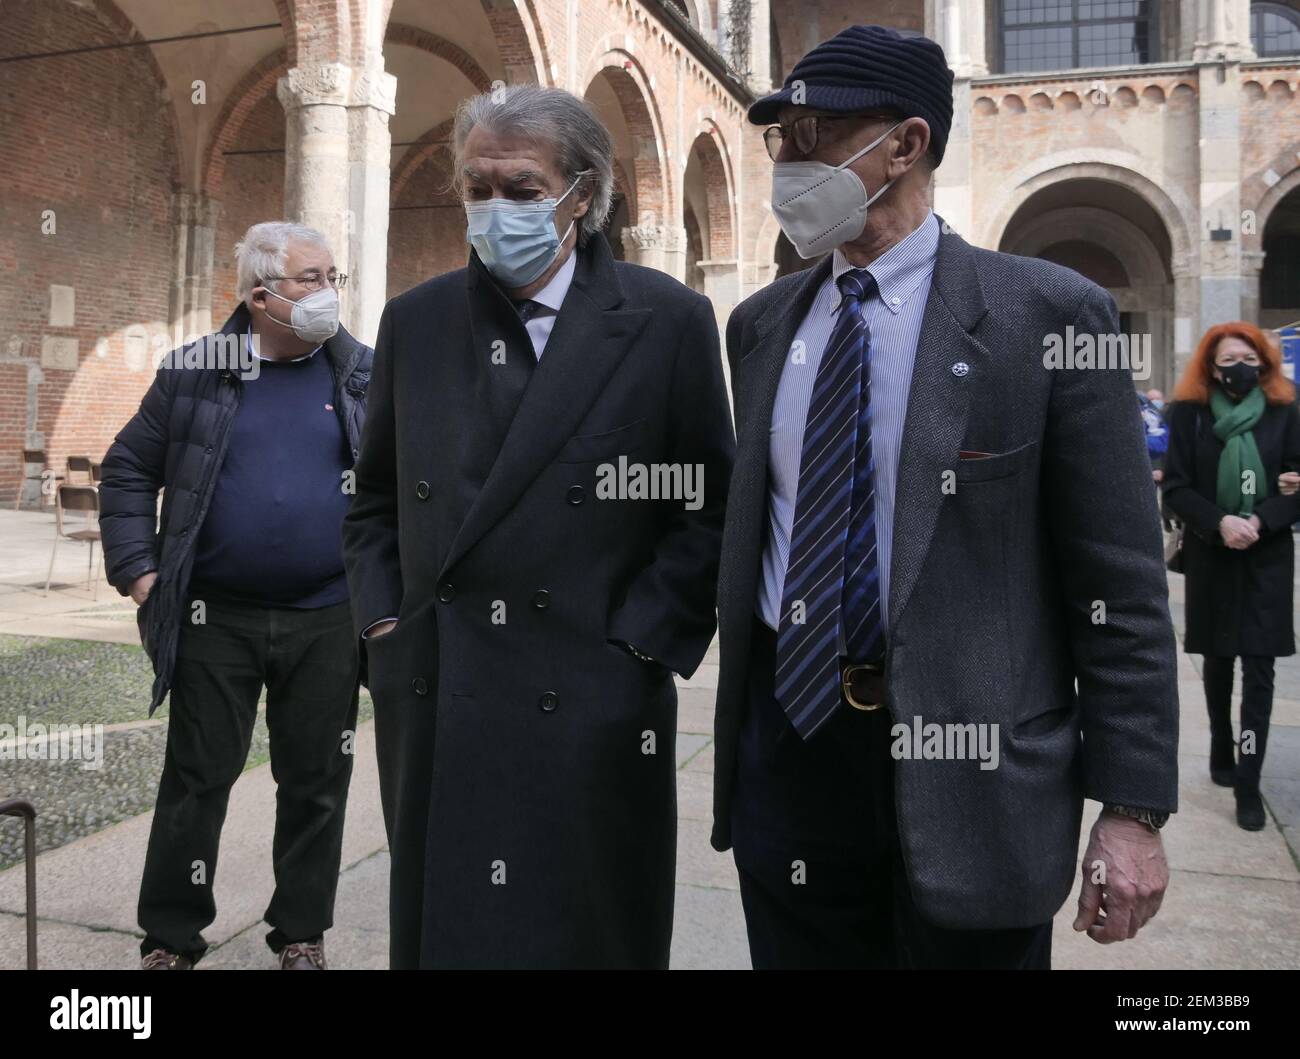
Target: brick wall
[251,191]
[90,137]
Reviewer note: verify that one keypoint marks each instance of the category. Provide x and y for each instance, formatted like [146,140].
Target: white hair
[263,250]
[552,116]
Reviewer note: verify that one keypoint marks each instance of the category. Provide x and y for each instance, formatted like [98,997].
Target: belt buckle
[846,684]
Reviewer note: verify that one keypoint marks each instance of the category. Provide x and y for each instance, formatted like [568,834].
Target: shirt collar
[552,295]
[899,271]
[248,337]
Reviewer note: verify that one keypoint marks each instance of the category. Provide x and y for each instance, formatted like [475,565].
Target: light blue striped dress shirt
[903,274]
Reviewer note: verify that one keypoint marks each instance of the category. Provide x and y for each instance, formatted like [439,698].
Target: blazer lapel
[937,407]
[588,342]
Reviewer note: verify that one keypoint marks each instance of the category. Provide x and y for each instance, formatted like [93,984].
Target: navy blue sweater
[272,534]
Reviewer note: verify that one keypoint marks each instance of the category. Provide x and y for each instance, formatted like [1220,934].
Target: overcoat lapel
[948,359]
[589,340]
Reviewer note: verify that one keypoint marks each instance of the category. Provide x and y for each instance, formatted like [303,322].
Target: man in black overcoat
[533,552]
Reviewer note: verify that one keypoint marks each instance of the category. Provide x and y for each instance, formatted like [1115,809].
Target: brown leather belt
[863,685]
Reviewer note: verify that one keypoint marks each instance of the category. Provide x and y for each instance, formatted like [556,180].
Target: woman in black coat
[1234,432]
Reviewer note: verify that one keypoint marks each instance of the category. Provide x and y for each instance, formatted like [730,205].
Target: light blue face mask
[516,241]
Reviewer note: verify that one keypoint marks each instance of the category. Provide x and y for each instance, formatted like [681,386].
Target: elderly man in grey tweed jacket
[942,602]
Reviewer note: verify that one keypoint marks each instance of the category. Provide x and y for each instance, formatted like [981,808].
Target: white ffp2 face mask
[314,318]
[820,207]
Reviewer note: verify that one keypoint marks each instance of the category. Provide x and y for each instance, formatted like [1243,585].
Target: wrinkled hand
[1237,532]
[1125,876]
[142,586]
[1288,483]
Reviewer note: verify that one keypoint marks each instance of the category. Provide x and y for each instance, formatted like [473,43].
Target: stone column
[721,285]
[1216,28]
[182,215]
[658,246]
[761,73]
[1186,318]
[316,155]
[337,148]
[371,103]
[1252,264]
[195,219]
[958,26]
[202,255]
[1219,121]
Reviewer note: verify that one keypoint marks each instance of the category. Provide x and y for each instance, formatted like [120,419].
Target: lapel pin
[961,368]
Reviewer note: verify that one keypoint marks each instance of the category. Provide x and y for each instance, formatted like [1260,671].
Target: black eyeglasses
[315,281]
[806,131]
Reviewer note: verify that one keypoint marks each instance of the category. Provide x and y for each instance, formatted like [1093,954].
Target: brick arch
[284,12]
[112,199]
[520,42]
[246,95]
[631,87]
[1111,166]
[719,193]
[423,40]
[1268,202]
[117,19]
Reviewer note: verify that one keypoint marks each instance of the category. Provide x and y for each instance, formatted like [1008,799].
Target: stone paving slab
[1234,900]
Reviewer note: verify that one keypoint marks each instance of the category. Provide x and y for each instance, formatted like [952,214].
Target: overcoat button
[419,686]
[961,368]
[576,495]
[548,701]
[446,592]
[422,490]
[541,599]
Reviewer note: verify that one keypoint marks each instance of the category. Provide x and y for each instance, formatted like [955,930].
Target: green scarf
[1234,422]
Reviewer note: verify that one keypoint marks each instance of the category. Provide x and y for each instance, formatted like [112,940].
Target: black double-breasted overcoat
[526,759]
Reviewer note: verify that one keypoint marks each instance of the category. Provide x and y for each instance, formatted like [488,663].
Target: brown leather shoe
[162,960]
[303,956]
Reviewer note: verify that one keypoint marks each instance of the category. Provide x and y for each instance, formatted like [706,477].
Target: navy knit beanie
[871,66]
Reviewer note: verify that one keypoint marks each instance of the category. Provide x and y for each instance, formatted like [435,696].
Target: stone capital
[315,84]
[374,87]
[653,237]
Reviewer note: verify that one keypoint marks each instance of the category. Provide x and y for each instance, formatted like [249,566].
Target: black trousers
[1256,709]
[816,844]
[307,661]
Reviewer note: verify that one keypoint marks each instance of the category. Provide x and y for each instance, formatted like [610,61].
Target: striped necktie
[834,527]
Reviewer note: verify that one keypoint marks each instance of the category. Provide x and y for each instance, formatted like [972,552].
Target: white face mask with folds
[820,207]
[314,318]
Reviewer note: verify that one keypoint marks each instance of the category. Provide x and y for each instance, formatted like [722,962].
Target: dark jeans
[307,661]
[1256,708]
[816,844]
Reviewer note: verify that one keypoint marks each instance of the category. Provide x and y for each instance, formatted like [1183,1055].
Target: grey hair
[550,116]
[262,252]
